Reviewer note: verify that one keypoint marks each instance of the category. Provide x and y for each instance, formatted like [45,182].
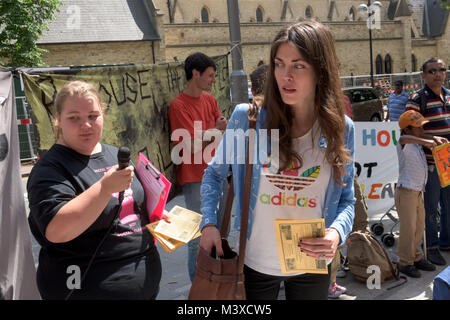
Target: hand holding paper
[323,247]
[182,226]
[289,232]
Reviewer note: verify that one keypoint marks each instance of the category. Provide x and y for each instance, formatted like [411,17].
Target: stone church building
[410,32]
[100,32]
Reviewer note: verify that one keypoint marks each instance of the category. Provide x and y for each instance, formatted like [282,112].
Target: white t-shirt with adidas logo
[291,194]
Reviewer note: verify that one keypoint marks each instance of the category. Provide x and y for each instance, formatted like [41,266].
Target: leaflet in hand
[183,227]
[156,187]
[288,234]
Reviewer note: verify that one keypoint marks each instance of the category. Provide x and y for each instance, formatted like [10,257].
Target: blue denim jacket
[339,201]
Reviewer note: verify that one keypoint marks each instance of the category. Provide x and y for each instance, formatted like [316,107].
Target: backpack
[365,251]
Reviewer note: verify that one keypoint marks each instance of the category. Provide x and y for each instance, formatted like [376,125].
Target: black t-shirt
[58,177]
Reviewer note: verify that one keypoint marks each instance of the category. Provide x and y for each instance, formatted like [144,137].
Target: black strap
[400,283]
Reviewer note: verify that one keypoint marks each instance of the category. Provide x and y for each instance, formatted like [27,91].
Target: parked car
[366,103]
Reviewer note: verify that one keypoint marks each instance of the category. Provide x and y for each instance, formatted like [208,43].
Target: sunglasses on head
[434,71]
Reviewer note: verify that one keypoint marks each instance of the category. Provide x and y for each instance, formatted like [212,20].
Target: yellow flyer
[183,227]
[288,234]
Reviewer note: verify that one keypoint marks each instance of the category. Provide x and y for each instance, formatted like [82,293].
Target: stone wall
[352,43]
[188,35]
[137,52]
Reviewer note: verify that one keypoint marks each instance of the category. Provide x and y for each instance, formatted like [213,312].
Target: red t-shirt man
[193,115]
[184,111]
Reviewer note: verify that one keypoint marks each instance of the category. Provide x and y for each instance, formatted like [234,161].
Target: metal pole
[238,79]
[370,13]
[371,58]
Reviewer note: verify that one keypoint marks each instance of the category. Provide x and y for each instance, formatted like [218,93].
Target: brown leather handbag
[222,278]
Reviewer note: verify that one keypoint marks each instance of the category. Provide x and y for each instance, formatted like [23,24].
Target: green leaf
[311,172]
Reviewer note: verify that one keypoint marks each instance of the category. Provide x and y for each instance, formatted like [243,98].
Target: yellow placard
[441,156]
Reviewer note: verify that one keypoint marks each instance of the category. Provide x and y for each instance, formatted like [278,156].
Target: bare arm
[427,142]
[439,140]
[221,125]
[81,212]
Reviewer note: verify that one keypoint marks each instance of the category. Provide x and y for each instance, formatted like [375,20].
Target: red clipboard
[156,187]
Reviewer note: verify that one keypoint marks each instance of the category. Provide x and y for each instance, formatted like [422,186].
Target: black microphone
[123,158]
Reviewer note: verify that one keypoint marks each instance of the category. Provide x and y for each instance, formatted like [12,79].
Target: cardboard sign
[376,163]
[441,156]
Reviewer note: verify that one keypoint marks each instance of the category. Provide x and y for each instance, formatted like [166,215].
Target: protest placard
[441,156]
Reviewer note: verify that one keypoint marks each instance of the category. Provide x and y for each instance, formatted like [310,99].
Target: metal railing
[27,143]
[384,83]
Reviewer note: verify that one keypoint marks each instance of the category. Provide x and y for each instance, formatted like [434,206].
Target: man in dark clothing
[433,102]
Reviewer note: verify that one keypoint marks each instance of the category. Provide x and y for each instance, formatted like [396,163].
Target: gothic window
[205,15]
[387,64]
[352,14]
[379,65]
[308,12]
[259,14]
[413,63]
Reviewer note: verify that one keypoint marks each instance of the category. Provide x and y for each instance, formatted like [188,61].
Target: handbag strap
[228,206]
[246,200]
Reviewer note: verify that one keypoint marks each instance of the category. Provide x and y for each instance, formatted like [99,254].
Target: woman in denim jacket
[305,171]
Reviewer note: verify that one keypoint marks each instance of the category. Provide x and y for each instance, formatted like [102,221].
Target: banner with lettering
[377,163]
[136,100]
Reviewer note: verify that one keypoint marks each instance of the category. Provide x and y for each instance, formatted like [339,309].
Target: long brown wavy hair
[316,44]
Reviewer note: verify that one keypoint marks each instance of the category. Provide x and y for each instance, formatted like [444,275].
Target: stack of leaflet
[183,226]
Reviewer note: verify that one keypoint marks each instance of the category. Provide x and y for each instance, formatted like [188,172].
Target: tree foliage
[22,22]
[445,4]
